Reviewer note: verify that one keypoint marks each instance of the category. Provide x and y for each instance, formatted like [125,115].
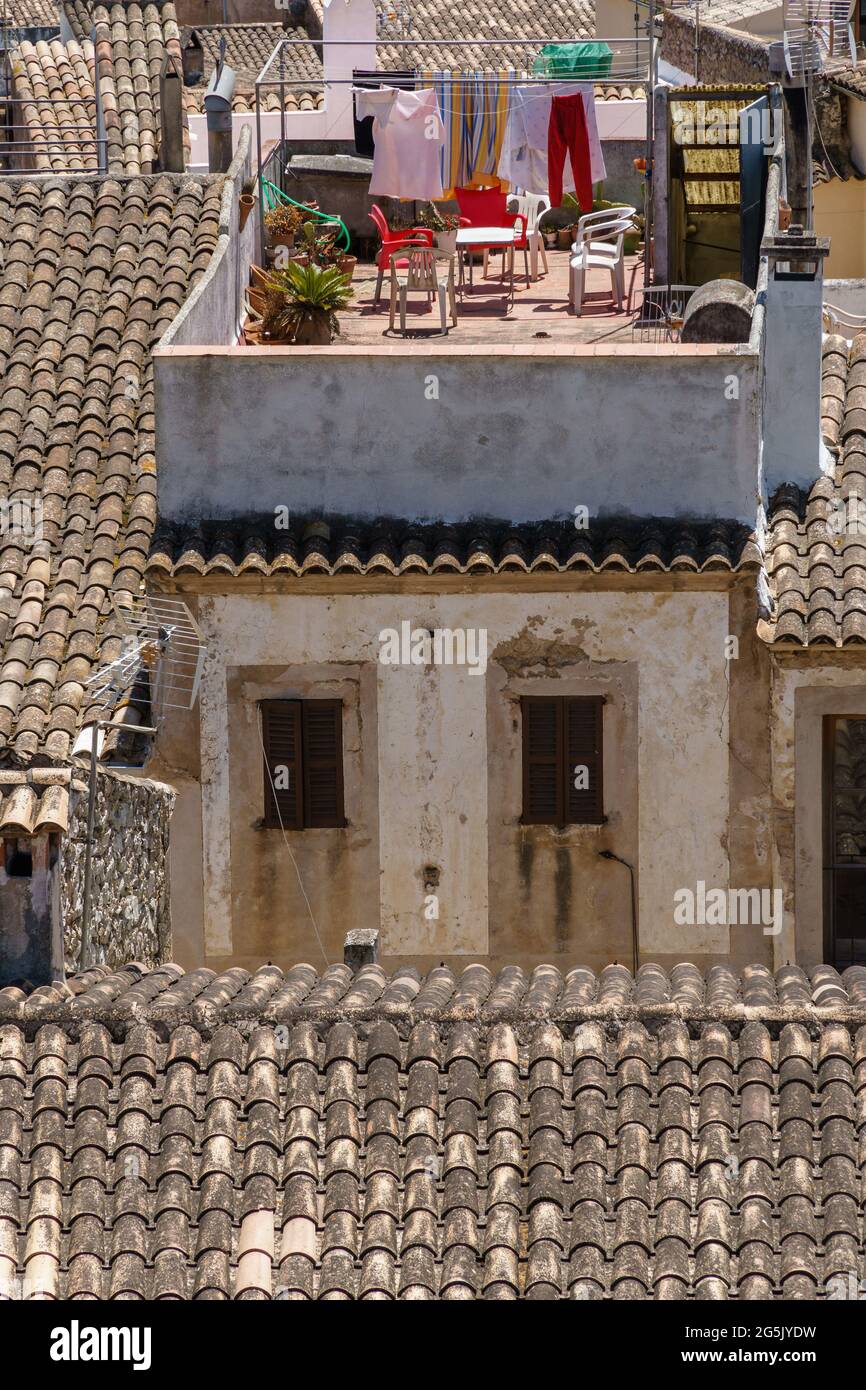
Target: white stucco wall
[416,431]
[434,751]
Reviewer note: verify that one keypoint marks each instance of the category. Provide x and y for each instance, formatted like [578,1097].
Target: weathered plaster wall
[130,916]
[725,55]
[804,692]
[420,432]
[432,768]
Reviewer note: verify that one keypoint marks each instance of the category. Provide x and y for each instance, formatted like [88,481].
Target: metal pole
[259,186]
[650,149]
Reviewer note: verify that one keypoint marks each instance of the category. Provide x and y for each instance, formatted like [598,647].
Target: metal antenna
[814,31]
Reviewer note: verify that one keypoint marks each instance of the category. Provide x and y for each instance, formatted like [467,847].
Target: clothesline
[425,146]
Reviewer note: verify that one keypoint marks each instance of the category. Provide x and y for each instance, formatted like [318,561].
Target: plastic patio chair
[421,276]
[488,207]
[592,219]
[394,241]
[531,206]
[599,248]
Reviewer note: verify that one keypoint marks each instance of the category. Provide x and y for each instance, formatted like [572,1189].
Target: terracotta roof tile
[131,42]
[253,546]
[234,1149]
[248,47]
[83,297]
[26,14]
[816,553]
[54,86]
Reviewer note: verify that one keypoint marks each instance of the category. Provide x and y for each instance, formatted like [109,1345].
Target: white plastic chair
[533,206]
[599,247]
[592,219]
[419,275]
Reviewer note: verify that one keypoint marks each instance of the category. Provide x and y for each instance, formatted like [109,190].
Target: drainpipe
[635,943]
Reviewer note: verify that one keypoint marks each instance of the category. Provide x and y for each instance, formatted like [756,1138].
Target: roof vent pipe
[218,109]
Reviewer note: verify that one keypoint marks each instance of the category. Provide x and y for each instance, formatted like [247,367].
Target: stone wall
[130,917]
[725,56]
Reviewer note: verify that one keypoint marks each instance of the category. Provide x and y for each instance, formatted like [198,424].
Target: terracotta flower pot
[286,239]
[346,265]
[313,331]
[247,203]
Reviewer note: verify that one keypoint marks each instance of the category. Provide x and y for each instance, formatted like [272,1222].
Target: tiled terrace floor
[540,312]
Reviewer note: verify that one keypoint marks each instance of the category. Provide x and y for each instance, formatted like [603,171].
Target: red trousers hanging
[567,132]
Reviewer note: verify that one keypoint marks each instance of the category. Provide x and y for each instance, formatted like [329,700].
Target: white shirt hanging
[408,135]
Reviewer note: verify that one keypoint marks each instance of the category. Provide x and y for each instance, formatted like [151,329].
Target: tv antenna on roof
[814,32]
[159,668]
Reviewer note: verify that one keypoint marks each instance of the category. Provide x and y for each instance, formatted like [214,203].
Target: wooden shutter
[281,736]
[583,722]
[542,760]
[323,762]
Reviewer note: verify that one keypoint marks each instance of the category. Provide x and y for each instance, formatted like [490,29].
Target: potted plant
[282,224]
[325,252]
[301,303]
[443,225]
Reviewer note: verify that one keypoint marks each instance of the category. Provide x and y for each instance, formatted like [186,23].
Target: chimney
[31,926]
[192,58]
[792,357]
[170,117]
[361,948]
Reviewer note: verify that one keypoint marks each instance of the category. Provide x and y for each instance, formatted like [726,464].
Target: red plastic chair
[394,241]
[488,207]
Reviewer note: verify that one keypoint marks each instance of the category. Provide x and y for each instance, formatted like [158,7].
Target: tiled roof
[248,47]
[255,547]
[451,1158]
[734,13]
[92,274]
[166,995]
[26,14]
[36,801]
[850,79]
[817,543]
[131,44]
[487,19]
[53,83]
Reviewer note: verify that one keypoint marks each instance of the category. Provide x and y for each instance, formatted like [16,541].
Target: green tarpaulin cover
[588,61]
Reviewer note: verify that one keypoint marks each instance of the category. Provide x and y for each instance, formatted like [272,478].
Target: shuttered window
[303,741]
[562,760]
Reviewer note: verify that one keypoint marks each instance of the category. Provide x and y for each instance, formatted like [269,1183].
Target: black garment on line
[404,81]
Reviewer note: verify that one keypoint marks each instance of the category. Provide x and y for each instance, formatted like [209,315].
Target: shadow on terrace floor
[541,311]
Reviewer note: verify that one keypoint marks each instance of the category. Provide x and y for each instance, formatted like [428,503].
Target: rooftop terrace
[541,311]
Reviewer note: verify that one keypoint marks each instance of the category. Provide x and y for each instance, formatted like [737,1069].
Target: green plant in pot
[443,225]
[282,224]
[301,303]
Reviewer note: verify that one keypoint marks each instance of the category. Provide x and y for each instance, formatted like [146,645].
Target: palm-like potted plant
[301,302]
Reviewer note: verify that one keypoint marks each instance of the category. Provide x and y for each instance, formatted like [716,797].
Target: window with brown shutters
[562,760]
[303,772]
